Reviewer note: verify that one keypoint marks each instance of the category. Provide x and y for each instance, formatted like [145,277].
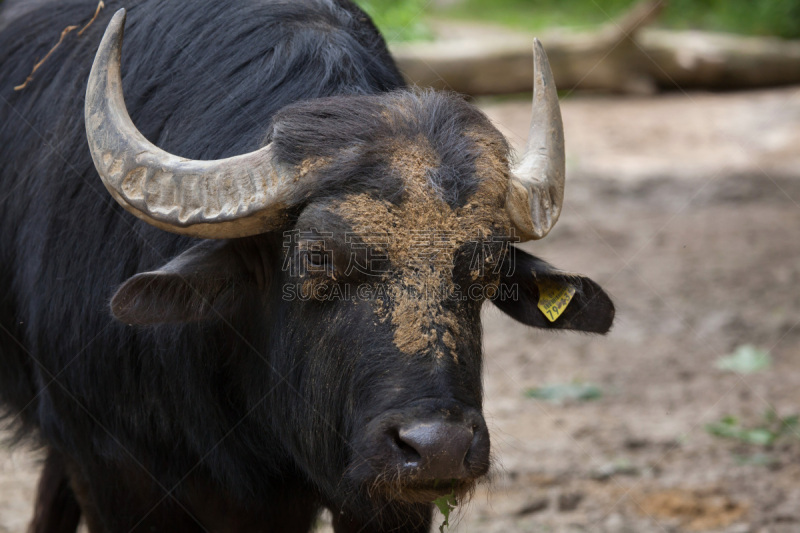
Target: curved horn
[536,191]
[234,197]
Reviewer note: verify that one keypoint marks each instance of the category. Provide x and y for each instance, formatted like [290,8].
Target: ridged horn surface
[233,197]
[536,191]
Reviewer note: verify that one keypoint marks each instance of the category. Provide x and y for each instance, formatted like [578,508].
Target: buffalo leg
[56,509]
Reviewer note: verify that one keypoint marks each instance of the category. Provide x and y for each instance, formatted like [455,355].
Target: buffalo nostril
[410,455]
[438,447]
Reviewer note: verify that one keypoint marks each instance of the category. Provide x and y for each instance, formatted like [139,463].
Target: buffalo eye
[317,259]
[312,258]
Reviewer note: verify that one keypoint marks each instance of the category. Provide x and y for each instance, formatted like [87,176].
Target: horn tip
[119,18]
[539,55]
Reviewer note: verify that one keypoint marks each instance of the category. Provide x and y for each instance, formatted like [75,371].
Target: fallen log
[720,61]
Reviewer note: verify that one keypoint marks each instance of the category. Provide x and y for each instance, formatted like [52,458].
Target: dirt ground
[686,208]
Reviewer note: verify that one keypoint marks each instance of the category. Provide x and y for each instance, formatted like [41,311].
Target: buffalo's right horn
[234,197]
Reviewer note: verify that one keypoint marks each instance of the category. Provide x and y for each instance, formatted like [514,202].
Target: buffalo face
[397,269]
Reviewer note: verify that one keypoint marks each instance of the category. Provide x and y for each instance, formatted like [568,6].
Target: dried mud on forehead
[422,212]
[686,210]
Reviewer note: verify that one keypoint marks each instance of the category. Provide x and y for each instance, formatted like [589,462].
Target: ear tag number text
[554,298]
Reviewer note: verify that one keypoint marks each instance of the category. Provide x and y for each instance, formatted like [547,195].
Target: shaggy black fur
[361,134]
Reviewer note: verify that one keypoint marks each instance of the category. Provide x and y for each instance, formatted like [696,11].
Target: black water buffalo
[283,317]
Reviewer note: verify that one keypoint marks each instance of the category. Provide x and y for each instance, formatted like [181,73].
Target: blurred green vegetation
[780,18]
[535,14]
[399,20]
[405,19]
[770,429]
[566,392]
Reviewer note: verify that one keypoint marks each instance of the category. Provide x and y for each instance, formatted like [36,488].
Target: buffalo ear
[204,282]
[590,309]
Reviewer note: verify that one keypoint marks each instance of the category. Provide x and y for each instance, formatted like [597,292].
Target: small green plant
[746,359]
[563,392]
[771,428]
[446,504]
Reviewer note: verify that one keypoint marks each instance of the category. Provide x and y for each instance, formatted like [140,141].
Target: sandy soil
[686,208]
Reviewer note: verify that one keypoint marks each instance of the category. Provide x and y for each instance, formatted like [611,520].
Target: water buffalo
[261,300]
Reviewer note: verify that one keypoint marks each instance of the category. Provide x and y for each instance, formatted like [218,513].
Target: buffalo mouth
[421,491]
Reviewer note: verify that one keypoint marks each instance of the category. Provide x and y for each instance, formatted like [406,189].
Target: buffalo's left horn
[234,197]
[536,191]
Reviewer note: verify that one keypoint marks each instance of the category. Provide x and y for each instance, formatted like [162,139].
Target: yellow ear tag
[554,298]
